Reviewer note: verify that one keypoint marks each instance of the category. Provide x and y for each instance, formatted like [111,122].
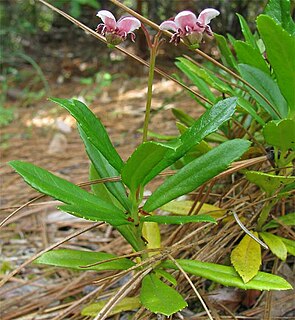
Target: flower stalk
[153,54]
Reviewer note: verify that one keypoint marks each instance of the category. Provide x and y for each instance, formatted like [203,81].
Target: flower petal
[207,15]
[108,18]
[128,24]
[185,19]
[168,25]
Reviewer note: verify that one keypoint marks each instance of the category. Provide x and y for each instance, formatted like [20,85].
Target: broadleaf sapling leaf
[246,258]
[275,244]
[157,296]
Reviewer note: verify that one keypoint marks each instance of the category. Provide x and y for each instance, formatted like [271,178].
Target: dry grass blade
[75,234]
[4,221]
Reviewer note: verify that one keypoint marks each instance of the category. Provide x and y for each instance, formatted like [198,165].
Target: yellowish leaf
[246,258]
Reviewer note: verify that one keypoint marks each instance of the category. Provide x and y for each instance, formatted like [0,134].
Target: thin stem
[149,92]
[201,53]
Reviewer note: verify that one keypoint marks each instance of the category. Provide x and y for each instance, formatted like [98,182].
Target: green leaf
[183,207]
[75,259]
[279,10]
[227,57]
[290,245]
[158,297]
[126,304]
[197,172]
[178,219]
[268,88]
[280,134]
[208,77]
[275,244]
[246,105]
[268,182]
[64,190]
[100,190]
[280,51]
[208,123]
[228,276]
[249,38]
[246,258]
[105,170]
[141,163]
[183,117]
[69,193]
[287,220]
[196,80]
[166,275]
[248,55]
[93,129]
[90,212]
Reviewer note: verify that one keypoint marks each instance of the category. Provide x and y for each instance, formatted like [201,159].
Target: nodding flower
[190,28]
[114,31]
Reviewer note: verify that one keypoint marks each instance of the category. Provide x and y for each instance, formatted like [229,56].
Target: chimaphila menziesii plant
[188,27]
[120,203]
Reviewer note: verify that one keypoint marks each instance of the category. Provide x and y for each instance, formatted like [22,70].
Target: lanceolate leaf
[196,80]
[275,244]
[208,77]
[197,172]
[158,297]
[287,220]
[105,170]
[279,10]
[246,105]
[209,122]
[248,55]
[250,39]
[77,259]
[178,219]
[228,276]
[290,245]
[268,87]
[90,212]
[100,190]
[141,162]
[68,193]
[280,52]
[246,258]
[226,55]
[93,129]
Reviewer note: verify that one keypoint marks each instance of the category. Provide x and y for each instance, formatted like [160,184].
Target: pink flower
[116,31]
[190,28]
